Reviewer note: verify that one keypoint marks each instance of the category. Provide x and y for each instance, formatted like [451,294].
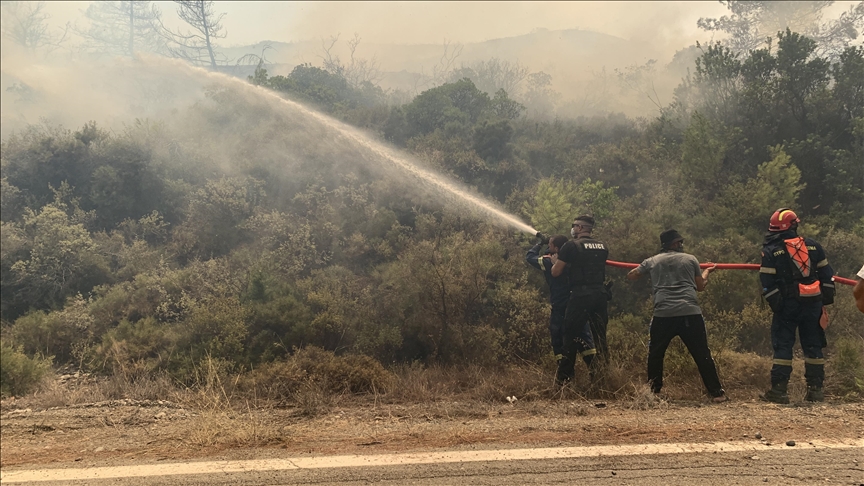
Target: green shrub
[846,367]
[628,340]
[144,345]
[18,372]
[527,323]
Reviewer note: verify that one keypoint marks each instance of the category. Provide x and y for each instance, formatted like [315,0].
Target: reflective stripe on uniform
[588,352]
[769,294]
[823,263]
[782,362]
[540,261]
[768,270]
[814,361]
[829,285]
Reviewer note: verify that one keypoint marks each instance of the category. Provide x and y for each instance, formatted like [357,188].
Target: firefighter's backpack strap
[808,288]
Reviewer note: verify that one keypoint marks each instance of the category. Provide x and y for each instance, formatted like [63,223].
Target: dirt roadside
[127,431]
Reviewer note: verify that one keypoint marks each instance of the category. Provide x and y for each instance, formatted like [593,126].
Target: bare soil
[119,431]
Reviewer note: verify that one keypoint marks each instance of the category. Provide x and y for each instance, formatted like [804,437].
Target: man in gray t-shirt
[675,278]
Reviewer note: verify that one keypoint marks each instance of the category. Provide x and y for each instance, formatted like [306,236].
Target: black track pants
[691,329]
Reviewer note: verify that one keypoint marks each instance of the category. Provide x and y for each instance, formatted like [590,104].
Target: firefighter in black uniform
[585,261]
[559,287]
[796,281]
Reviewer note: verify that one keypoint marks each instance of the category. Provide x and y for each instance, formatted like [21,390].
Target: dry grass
[224,418]
[418,384]
[53,391]
[223,411]
[210,428]
[644,399]
[217,393]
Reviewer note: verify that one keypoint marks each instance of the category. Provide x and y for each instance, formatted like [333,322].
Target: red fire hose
[724,266]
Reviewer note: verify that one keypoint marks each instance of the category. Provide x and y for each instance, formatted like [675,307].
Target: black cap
[668,237]
[585,219]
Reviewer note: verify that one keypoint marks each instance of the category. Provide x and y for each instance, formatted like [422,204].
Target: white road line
[323,462]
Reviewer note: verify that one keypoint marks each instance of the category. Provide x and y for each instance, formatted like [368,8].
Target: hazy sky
[432,22]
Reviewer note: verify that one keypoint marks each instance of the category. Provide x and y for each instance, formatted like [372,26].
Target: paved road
[733,463]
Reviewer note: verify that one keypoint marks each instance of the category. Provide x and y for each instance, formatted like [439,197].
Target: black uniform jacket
[777,273]
[559,287]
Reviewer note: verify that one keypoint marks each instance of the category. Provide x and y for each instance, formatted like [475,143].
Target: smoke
[70,92]
[580,44]
[599,54]
[223,120]
[407,23]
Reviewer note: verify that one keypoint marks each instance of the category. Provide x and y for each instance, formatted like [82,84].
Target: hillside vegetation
[238,237]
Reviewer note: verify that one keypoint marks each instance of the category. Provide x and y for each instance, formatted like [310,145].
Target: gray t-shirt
[673,276]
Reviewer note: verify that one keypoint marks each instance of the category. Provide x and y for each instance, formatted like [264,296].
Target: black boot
[777,393]
[815,394]
[565,371]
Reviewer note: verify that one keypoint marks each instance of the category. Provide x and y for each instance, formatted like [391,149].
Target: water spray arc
[378,149]
[404,163]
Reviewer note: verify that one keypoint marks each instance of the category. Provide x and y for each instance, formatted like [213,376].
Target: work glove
[541,238]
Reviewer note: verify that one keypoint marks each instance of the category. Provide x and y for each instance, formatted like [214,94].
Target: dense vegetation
[237,233]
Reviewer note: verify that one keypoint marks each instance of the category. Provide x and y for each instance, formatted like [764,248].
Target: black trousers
[805,318]
[691,330]
[556,329]
[578,339]
[598,321]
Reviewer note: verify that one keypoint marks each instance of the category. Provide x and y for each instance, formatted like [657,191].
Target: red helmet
[782,220]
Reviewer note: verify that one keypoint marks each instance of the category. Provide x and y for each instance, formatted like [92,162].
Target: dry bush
[313,368]
[744,373]
[276,381]
[314,398]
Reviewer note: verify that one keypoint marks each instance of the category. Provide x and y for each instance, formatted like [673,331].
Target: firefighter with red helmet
[796,281]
